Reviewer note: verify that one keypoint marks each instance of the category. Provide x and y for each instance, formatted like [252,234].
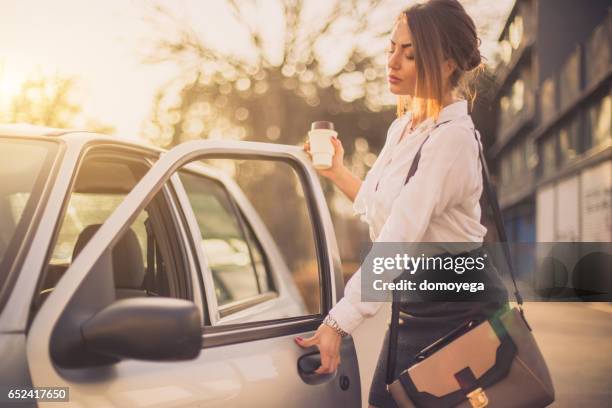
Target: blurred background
[549,124]
[172,71]
[166,72]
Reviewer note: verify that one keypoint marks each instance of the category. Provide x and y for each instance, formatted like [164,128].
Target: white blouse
[440,203]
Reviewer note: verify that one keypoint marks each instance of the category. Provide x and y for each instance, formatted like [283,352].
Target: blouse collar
[453,111]
[449,112]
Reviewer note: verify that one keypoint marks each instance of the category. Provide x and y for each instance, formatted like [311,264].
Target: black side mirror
[154,329]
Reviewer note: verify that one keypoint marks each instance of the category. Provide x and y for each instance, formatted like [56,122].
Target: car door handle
[307,364]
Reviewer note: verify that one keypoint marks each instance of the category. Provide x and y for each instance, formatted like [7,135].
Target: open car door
[159,351]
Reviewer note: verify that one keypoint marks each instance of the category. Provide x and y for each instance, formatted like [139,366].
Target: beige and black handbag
[495,362]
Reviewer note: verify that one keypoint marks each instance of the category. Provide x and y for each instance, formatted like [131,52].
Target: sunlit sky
[98,43]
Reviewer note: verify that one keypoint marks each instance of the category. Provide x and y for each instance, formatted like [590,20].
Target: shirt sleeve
[445,167]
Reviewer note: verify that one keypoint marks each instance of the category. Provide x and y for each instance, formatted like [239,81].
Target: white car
[135,277]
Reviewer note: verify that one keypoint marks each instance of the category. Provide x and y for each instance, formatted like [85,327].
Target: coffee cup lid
[322,124]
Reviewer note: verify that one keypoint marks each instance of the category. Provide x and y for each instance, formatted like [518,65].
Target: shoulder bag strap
[392,348]
[491,198]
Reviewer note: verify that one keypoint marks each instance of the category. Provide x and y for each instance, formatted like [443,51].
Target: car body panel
[14,372]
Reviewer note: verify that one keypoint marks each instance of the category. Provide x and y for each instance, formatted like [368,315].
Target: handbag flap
[478,358]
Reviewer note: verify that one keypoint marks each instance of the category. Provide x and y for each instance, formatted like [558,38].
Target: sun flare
[11,80]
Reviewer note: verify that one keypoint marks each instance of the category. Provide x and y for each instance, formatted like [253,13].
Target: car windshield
[24,169]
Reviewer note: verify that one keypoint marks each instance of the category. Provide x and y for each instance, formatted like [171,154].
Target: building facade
[550,145]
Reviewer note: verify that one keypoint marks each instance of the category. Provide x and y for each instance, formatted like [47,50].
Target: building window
[548,104]
[514,167]
[549,156]
[569,141]
[518,161]
[515,32]
[505,171]
[518,95]
[517,99]
[600,118]
[599,52]
[506,51]
[504,104]
[531,155]
[570,78]
[515,36]
[505,113]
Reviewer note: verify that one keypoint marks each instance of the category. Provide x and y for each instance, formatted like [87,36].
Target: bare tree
[263,95]
[44,101]
[219,95]
[274,96]
[48,101]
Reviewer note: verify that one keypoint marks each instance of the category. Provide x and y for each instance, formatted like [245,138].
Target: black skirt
[417,332]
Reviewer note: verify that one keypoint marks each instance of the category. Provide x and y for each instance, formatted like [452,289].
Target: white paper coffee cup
[321,147]
[322,160]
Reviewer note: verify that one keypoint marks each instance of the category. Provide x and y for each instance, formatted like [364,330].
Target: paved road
[575,338]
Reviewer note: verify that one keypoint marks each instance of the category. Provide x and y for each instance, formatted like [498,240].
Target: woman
[432,46]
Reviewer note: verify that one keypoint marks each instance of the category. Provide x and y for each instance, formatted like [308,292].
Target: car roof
[77,136]
[26,129]
[71,135]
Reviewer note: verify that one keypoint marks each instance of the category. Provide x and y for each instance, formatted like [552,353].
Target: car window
[144,258]
[275,190]
[24,169]
[86,209]
[259,260]
[233,254]
[258,238]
